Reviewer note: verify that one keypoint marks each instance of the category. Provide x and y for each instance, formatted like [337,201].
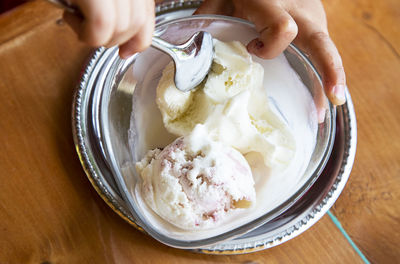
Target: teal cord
[353,245]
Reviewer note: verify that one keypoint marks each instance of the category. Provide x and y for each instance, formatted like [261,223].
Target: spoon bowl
[192,59]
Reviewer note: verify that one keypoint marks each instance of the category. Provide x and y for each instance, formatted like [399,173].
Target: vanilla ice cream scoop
[194,182]
[231,104]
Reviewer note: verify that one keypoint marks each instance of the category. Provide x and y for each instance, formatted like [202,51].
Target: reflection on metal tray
[302,215]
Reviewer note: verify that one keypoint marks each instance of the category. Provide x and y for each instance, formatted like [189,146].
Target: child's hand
[280,22]
[128,23]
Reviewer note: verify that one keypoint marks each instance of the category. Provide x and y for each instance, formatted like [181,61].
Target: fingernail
[339,93]
[259,44]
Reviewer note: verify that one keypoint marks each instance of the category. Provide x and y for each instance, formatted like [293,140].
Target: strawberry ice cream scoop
[194,182]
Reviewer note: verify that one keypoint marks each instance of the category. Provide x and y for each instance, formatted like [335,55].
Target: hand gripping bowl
[115,90]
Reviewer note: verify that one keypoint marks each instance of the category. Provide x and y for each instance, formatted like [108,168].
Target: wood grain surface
[368,35]
[51,214]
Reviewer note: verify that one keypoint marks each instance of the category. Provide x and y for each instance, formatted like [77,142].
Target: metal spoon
[192,59]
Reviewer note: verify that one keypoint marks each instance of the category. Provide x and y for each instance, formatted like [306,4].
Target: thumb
[278,30]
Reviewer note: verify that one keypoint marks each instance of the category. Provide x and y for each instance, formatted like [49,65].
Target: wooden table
[50,213]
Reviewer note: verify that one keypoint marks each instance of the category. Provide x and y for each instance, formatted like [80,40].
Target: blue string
[353,245]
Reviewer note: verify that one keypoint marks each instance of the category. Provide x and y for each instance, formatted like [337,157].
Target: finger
[140,41]
[325,56]
[277,30]
[124,28]
[218,7]
[99,21]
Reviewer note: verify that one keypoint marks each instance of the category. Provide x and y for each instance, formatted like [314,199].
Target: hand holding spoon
[192,58]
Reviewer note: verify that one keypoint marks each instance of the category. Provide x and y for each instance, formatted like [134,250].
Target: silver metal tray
[301,216]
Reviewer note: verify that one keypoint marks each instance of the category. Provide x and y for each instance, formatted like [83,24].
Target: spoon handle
[67,7]
[164,46]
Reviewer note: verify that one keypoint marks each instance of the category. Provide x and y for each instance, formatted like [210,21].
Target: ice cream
[194,182]
[232,105]
[229,112]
